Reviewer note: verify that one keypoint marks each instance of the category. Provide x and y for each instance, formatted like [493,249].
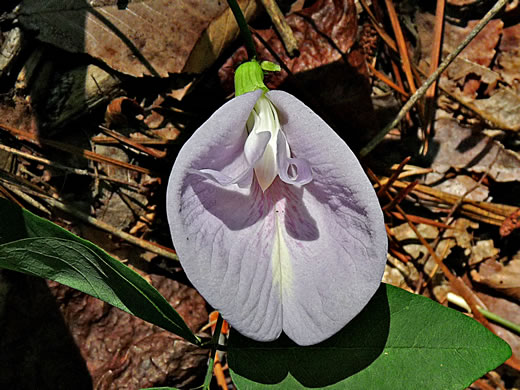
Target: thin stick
[87,154]
[130,142]
[456,282]
[56,165]
[281,26]
[434,62]
[27,198]
[435,75]
[401,44]
[386,80]
[244,29]
[147,245]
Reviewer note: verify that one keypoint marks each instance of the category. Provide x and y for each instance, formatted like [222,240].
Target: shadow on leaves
[349,351]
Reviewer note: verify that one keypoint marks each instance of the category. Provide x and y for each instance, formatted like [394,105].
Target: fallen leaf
[508,310]
[508,59]
[502,109]
[461,184]
[121,111]
[469,78]
[459,147]
[504,278]
[483,249]
[481,50]
[150,37]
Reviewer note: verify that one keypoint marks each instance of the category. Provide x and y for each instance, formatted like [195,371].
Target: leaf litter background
[104,93]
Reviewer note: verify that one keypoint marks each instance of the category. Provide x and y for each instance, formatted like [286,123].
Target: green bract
[250,76]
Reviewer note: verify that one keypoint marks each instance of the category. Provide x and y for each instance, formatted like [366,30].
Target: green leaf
[35,246]
[399,341]
[160,388]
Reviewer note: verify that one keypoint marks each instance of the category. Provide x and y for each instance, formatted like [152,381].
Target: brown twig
[56,165]
[73,150]
[394,176]
[456,282]
[130,142]
[401,44]
[281,26]
[442,67]
[386,80]
[146,245]
[434,63]
[400,196]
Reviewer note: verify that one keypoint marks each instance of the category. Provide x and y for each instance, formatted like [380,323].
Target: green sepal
[249,77]
[269,66]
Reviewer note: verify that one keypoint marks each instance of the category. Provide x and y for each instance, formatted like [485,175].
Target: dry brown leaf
[323,32]
[149,37]
[483,249]
[460,147]
[217,36]
[505,278]
[502,109]
[469,78]
[465,77]
[508,59]
[508,310]
[481,50]
[459,186]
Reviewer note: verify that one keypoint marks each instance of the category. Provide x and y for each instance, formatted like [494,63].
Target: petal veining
[338,263]
[304,259]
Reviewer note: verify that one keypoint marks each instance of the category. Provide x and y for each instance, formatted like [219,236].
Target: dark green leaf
[399,341]
[160,388]
[35,246]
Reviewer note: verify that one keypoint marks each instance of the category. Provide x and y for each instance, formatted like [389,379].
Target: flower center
[264,119]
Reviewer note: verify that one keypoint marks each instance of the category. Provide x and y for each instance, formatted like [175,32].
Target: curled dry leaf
[504,278]
[469,78]
[150,37]
[121,110]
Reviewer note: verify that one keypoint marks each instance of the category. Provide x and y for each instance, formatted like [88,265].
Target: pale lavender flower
[274,220]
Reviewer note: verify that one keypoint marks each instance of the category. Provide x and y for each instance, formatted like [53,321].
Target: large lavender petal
[222,234]
[305,258]
[335,266]
[216,150]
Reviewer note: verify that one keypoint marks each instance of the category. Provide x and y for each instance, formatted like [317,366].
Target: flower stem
[244,29]
[214,342]
[459,301]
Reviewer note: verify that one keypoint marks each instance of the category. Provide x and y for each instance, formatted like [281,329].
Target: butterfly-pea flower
[273,219]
